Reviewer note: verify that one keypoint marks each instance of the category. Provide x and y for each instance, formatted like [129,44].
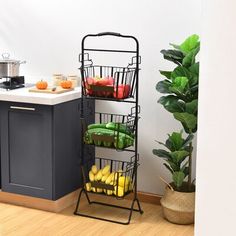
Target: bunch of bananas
[122,184]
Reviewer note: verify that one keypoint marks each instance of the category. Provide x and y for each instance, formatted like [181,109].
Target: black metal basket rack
[122,86]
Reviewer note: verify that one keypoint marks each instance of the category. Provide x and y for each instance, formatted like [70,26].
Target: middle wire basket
[111,131]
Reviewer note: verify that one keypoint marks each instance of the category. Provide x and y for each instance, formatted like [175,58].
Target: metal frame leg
[131,209]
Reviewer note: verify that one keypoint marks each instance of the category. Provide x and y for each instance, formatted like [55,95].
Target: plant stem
[190,166]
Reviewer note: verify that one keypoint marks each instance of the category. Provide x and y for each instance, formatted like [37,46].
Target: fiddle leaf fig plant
[175,156]
[180,97]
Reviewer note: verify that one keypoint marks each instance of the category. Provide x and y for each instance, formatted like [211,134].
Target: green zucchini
[119,142]
[122,140]
[101,130]
[98,142]
[88,138]
[123,128]
[97,125]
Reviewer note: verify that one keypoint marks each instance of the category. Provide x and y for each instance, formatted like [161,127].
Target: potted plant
[180,89]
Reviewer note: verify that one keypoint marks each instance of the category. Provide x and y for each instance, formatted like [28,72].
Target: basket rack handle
[109,33]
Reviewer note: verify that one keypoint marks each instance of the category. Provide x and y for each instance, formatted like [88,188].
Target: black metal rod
[113,205]
[108,50]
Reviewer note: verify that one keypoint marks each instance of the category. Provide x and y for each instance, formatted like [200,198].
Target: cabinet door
[26,149]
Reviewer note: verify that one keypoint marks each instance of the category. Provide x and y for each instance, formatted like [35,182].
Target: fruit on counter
[66,84]
[41,85]
[94,169]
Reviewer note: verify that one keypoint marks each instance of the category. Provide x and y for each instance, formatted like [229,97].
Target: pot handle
[171,188]
[6,55]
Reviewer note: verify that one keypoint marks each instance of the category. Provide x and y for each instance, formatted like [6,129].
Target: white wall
[216,175]
[48,35]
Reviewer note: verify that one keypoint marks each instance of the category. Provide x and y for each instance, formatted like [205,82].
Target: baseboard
[147,197]
[39,203]
[64,202]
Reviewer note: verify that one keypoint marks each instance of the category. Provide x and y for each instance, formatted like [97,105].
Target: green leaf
[188,140]
[173,55]
[194,91]
[190,43]
[175,46]
[181,71]
[163,86]
[167,74]
[178,178]
[165,145]
[172,103]
[169,168]
[189,121]
[194,68]
[174,166]
[179,156]
[185,168]
[191,107]
[179,85]
[176,141]
[189,59]
[161,153]
[186,171]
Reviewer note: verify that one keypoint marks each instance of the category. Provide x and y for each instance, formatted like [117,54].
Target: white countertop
[23,95]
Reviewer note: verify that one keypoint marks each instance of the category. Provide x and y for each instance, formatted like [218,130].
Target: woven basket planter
[178,207]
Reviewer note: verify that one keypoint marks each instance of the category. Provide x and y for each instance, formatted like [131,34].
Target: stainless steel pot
[9,67]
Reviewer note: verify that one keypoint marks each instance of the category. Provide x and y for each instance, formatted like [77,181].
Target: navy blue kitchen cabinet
[40,148]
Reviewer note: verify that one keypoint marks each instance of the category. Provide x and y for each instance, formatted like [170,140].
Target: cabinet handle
[23,108]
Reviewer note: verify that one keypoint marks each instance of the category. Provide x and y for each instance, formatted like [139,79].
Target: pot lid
[6,59]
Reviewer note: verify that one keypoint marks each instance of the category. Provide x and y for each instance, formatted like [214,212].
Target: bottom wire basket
[110,177]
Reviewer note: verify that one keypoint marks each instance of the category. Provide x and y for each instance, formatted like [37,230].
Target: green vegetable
[101,130]
[119,144]
[97,125]
[87,138]
[98,142]
[123,128]
[122,140]
[107,144]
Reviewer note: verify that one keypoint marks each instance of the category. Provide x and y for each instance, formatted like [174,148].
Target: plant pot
[178,207]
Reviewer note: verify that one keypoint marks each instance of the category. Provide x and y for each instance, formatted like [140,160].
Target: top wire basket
[109,81]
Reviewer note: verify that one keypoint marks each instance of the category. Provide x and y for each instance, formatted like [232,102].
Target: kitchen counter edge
[24,96]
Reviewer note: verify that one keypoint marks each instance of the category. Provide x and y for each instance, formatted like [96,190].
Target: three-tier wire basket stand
[122,85]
